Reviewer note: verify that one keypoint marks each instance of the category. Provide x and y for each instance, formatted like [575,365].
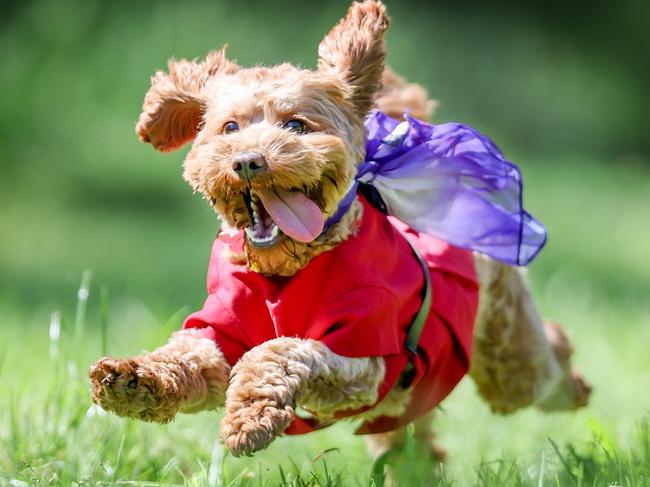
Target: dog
[305,325]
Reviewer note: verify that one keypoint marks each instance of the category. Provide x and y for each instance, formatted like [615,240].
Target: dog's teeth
[252,231]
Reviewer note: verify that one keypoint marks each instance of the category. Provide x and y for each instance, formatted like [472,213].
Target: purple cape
[449,181]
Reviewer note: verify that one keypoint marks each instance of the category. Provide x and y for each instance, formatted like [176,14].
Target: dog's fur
[517,360]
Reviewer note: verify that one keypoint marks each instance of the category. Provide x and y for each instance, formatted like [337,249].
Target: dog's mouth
[276,212]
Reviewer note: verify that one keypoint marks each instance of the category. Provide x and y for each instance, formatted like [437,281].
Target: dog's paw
[572,392]
[254,425]
[582,389]
[133,389]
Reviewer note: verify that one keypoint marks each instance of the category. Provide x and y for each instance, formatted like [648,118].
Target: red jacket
[358,299]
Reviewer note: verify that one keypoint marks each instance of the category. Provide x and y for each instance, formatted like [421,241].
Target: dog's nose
[247,165]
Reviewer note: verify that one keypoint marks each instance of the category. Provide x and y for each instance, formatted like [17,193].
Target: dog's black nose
[247,165]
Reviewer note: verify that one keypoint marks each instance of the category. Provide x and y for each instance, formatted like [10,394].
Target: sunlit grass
[50,434]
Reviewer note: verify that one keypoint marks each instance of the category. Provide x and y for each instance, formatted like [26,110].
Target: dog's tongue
[295,214]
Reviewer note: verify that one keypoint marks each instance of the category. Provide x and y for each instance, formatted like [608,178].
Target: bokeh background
[562,87]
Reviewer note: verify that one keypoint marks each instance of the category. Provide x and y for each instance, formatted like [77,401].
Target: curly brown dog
[265,137]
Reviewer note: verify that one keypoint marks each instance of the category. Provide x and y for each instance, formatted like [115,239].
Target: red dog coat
[359,299]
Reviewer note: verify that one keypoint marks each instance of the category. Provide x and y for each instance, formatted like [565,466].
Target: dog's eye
[295,126]
[230,127]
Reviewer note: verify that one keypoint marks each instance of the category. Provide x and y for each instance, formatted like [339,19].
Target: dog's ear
[354,51]
[174,105]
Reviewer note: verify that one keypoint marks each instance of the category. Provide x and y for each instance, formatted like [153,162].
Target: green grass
[51,435]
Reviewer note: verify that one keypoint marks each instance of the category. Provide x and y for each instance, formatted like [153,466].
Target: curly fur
[517,360]
[397,96]
[269,381]
[188,374]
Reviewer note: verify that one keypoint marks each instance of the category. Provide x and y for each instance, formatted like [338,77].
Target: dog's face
[276,153]
[274,149]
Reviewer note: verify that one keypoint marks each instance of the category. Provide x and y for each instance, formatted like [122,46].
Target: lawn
[82,201]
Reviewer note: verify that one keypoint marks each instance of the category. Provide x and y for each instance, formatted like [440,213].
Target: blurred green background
[561,87]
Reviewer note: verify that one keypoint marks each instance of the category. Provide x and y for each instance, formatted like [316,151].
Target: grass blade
[378,470]
[103,319]
[82,302]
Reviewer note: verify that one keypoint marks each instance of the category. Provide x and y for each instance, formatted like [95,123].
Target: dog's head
[274,149]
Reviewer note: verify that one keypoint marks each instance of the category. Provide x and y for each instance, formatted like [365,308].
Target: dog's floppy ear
[174,105]
[354,51]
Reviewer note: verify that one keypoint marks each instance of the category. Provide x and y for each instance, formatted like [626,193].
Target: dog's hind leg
[188,374]
[517,360]
[395,442]
[425,438]
[571,391]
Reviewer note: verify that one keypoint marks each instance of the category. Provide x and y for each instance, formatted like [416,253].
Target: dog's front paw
[260,400]
[134,388]
[249,426]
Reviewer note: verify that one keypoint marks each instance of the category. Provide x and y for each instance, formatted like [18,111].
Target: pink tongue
[295,214]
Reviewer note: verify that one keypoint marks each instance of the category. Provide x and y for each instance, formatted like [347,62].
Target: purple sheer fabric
[449,181]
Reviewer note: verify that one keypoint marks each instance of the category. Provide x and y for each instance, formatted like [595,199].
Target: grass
[51,435]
